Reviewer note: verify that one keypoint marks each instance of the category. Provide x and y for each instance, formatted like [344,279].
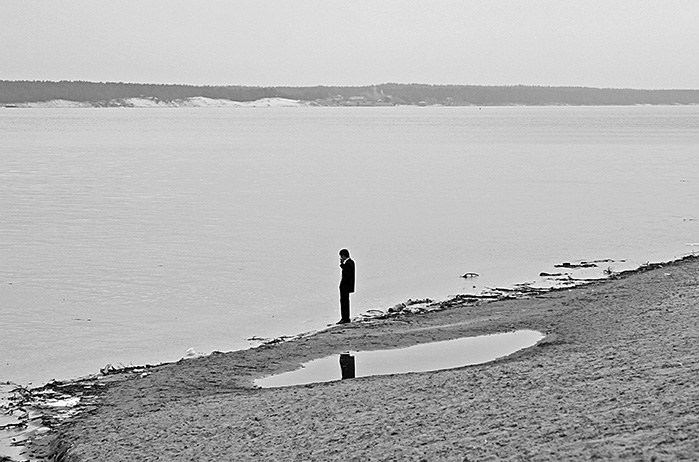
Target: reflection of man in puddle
[346,366]
[346,285]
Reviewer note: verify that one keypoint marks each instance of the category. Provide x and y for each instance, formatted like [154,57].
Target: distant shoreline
[108,94]
[147,103]
[201,102]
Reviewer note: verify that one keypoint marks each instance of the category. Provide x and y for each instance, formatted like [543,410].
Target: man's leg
[344,307]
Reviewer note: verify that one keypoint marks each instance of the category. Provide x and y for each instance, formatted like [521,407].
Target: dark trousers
[344,305]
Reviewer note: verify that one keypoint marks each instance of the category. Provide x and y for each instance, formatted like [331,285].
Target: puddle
[426,357]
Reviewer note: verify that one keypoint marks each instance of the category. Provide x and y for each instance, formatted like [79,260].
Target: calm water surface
[130,236]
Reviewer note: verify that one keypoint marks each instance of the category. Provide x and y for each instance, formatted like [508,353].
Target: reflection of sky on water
[418,358]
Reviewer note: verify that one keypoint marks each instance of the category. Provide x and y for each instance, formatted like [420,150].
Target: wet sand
[615,378]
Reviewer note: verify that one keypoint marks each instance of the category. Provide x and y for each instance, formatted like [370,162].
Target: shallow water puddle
[419,358]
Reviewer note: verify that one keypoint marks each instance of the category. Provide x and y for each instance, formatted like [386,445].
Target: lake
[129,236]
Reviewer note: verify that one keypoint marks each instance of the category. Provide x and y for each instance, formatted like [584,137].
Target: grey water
[132,236]
[434,356]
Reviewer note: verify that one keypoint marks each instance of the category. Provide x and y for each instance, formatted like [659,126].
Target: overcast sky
[600,43]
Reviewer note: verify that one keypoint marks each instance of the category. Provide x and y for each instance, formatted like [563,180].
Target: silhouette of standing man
[346,285]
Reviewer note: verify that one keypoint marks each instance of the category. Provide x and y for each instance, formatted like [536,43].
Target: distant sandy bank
[198,101]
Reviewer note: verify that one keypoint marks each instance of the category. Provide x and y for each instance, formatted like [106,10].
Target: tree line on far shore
[13,92]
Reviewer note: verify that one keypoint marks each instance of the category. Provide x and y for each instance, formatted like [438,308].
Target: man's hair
[344,253]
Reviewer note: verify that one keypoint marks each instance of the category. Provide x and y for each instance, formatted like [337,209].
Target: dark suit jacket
[347,281]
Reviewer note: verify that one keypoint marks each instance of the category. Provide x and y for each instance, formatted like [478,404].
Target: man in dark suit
[346,285]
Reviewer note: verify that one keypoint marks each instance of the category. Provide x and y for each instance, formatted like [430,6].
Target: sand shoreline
[615,378]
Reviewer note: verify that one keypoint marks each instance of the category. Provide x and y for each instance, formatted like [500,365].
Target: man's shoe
[343,321]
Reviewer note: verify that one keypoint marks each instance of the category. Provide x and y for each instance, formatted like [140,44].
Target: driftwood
[585,264]
[582,264]
[110,369]
[519,291]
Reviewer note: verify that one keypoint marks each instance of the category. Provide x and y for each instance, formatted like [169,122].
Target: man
[346,285]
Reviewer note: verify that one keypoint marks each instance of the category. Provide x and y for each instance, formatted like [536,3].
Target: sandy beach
[614,378]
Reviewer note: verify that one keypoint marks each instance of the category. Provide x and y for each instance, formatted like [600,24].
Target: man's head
[344,254]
